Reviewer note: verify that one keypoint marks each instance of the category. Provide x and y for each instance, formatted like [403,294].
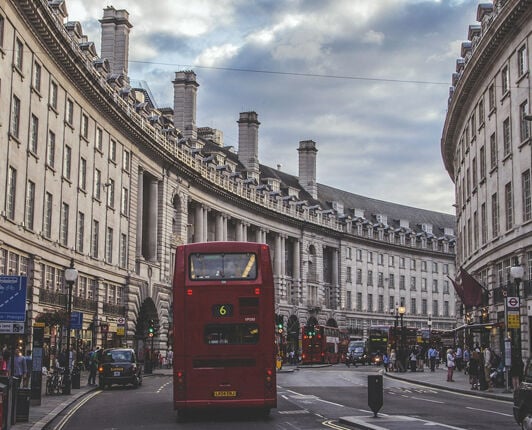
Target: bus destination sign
[222,310]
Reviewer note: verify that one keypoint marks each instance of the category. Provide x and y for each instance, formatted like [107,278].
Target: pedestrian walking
[93,365]
[473,369]
[19,367]
[466,358]
[450,365]
[386,361]
[393,359]
[458,355]
[413,360]
[516,371]
[433,354]
[486,354]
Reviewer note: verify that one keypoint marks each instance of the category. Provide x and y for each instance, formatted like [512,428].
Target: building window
[11,193]
[434,285]
[380,279]
[359,255]
[347,269]
[99,139]
[370,302]
[506,137]
[412,264]
[47,222]
[97,184]
[82,173]
[50,151]
[493,151]
[527,204]
[445,287]
[380,259]
[505,80]
[37,76]
[424,284]
[347,249]
[481,112]
[19,54]
[391,280]
[65,214]
[413,306]
[370,278]
[109,246]
[482,161]
[494,215]
[85,126]
[483,224]
[34,134]
[126,165]
[370,257]
[401,262]
[435,308]
[112,150]
[67,162]
[412,283]
[359,302]
[522,66]
[402,282]
[95,238]
[81,232]
[524,127]
[53,95]
[391,261]
[69,114]
[15,117]
[2,21]
[110,193]
[380,304]
[30,205]
[509,205]
[445,308]
[359,276]
[491,97]
[424,307]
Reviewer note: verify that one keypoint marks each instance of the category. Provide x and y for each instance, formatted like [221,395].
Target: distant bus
[223,325]
[383,338]
[322,344]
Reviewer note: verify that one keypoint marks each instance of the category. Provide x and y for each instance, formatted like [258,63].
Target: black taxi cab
[523,399]
[119,366]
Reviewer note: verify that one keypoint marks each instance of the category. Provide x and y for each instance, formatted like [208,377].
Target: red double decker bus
[321,344]
[223,325]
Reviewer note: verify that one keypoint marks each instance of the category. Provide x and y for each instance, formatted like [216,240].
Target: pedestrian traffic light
[151,328]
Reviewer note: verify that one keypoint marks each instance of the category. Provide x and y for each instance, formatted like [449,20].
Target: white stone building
[93,170]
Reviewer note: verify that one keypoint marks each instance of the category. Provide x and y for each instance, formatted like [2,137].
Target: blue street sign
[76,320]
[13,298]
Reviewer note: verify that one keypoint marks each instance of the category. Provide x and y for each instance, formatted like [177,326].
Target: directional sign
[76,320]
[13,298]
[11,328]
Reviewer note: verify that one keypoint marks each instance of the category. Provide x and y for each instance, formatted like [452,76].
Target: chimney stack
[307,167]
[248,143]
[185,90]
[115,39]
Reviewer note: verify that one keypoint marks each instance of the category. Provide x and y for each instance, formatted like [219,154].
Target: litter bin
[76,378]
[23,404]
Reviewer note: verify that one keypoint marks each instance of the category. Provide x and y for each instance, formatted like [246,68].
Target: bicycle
[54,381]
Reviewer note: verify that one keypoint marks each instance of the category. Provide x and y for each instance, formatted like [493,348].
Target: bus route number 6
[222,310]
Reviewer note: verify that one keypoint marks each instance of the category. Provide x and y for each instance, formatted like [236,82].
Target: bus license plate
[116,373]
[224,394]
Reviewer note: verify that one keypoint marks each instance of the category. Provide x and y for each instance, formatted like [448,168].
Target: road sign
[76,320]
[11,327]
[121,321]
[13,298]
[512,302]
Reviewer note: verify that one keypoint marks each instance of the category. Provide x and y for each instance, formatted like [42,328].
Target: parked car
[119,366]
[523,399]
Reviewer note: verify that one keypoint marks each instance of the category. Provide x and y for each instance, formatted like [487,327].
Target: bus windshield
[223,266]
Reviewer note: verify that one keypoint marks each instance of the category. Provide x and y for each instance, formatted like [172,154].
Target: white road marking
[492,412]
[427,400]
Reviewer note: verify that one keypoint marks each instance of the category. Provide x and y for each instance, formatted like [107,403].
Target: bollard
[375,396]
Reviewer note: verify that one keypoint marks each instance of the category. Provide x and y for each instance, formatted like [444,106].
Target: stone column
[205,236]
[153,219]
[140,209]
[219,227]
[239,231]
[198,223]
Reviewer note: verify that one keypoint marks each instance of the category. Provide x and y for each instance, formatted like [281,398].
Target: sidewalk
[436,379]
[51,406]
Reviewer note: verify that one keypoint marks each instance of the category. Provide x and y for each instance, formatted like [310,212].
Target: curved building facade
[486,150]
[94,171]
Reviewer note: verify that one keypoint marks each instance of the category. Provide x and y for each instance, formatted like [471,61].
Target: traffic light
[310,331]
[280,324]
[151,328]
[468,318]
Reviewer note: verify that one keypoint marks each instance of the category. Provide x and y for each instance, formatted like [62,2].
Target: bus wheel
[182,416]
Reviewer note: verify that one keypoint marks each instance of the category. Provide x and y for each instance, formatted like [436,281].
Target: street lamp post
[401,310]
[429,323]
[71,275]
[516,273]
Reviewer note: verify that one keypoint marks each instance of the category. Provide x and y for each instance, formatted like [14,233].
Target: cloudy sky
[367,80]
